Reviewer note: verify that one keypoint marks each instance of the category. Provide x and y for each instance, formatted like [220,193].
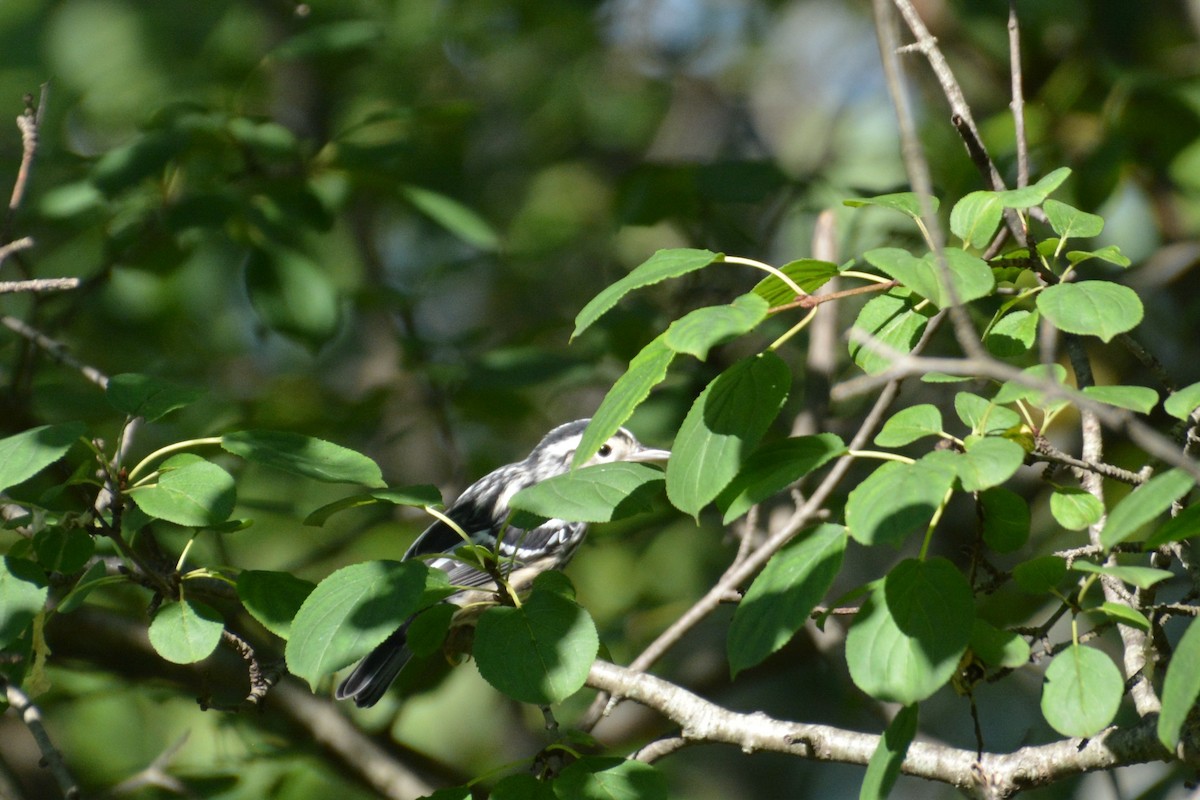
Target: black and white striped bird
[481,511]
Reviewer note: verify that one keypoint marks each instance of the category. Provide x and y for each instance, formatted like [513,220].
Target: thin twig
[1017,104]
[16,246]
[38,284]
[51,757]
[56,350]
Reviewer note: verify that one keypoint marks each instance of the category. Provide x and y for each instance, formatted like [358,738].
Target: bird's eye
[605,450]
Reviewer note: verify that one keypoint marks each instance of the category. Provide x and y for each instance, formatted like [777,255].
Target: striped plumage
[481,511]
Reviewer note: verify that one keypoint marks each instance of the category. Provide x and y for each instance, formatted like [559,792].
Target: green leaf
[809,274]
[538,653]
[292,295]
[1091,308]
[773,467]
[906,203]
[884,766]
[420,495]
[910,424]
[988,462]
[908,636]
[521,786]
[1071,223]
[147,397]
[607,778]
[304,455]
[190,491]
[1181,686]
[779,601]
[1141,399]
[1183,525]
[971,276]
[1075,509]
[428,629]
[1141,577]
[1029,196]
[352,611]
[600,493]
[186,632]
[975,217]
[1013,390]
[662,265]
[701,330]
[1112,254]
[95,576]
[26,454]
[23,593]
[897,499]
[723,426]
[982,416]
[889,320]
[1081,692]
[646,370]
[1144,504]
[1123,615]
[1013,334]
[1040,575]
[63,549]
[455,217]
[1182,403]
[1006,519]
[997,648]
[273,598]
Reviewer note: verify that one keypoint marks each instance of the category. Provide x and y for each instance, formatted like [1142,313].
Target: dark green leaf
[26,454]
[646,370]
[1040,575]
[304,455]
[599,493]
[906,203]
[1144,504]
[147,397]
[988,462]
[1141,399]
[1071,223]
[292,295]
[1181,687]
[889,321]
[701,330]
[1013,334]
[23,593]
[975,217]
[605,778]
[190,491]
[898,499]
[421,495]
[998,648]
[1075,509]
[1006,519]
[1141,577]
[63,549]
[773,467]
[1082,691]
[884,766]
[983,416]
[1184,525]
[273,598]
[971,276]
[186,632]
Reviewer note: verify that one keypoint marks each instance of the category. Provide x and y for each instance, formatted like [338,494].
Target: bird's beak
[649,454]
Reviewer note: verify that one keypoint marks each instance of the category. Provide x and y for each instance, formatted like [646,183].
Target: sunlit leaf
[598,493]
[1181,686]
[1091,308]
[27,453]
[773,467]
[1082,691]
[699,331]
[304,455]
[910,424]
[186,632]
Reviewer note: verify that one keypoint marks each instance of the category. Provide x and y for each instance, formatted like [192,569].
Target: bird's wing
[436,545]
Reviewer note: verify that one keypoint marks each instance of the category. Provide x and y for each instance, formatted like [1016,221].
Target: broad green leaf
[662,265]
[304,455]
[908,636]
[1141,399]
[906,203]
[1144,504]
[646,370]
[778,602]
[1181,686]
[723,426]
[147,397]
[455,217]
[1071,223]
[890,321]
[608,778]
[1081,692]
[983,416]
[809,274]
[1111,254]
[351,612]
[972,277]
[1013,334]
[521,786]
[1183,525]
[186,632]
[1123,615]
[23,593]
[428,629]
[884,766]
[897,499]
[701,330]
[975,217]
[1013,390]
[189,491]
[997,648]
[1091,308]
[1141,577]
[1040,575]
[910,424]
[988,462]
[63,549]
[600,493]
[1006,519]
[273,598]
[1075,509]
[1182,403]
[420,495]
[1029,196]
[538,653]
[773,467]
[27,453]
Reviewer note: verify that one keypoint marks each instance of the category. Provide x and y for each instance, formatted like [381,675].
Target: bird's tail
[375,673]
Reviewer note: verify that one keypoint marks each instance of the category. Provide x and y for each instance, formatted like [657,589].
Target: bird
[482,512]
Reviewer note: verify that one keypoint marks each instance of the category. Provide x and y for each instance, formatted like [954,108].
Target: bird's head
[556,450]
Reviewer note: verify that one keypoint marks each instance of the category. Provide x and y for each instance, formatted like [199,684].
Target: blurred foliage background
[374,221]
